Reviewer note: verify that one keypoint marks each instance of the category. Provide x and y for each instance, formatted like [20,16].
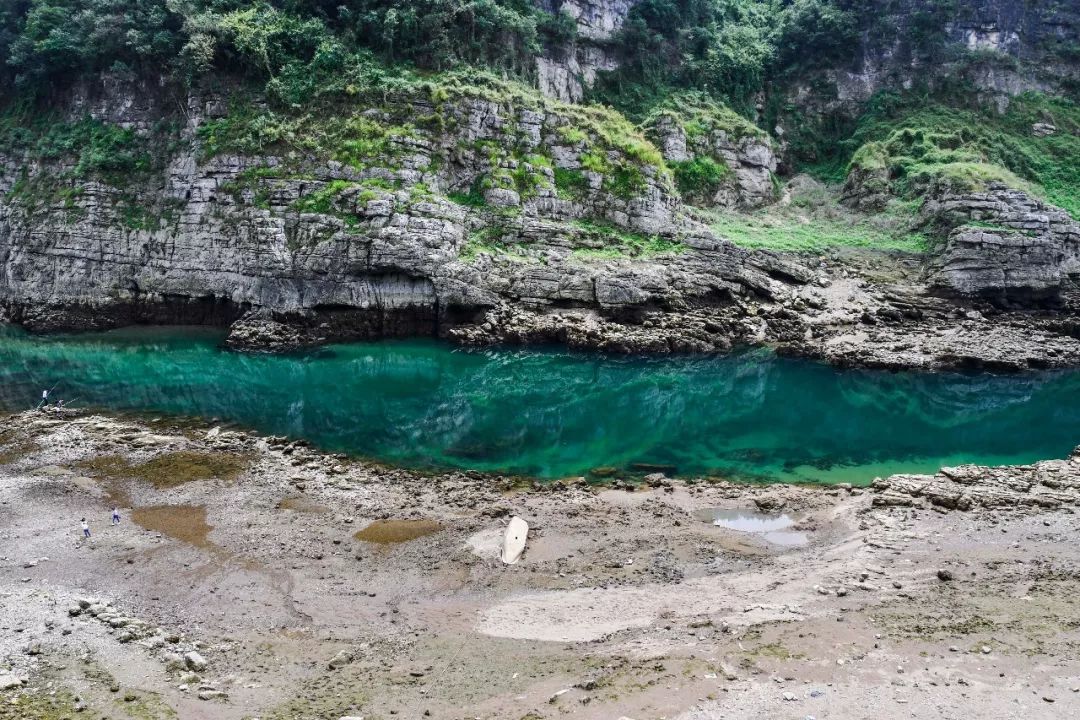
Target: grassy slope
[925,144]
[814,221]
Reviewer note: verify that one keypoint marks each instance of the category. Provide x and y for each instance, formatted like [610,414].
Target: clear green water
[553,414]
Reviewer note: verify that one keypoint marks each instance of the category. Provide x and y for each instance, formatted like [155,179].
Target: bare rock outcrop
[1049,484]
[566,71]
[1006,246]
[743,156]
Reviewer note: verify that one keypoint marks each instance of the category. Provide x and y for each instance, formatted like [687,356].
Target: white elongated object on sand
[514,541]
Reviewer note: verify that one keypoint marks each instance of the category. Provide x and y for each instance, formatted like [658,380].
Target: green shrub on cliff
[93,148]
[50,39]
[372,129]
[305,71]
[600,240]
[699,115]
[701,177]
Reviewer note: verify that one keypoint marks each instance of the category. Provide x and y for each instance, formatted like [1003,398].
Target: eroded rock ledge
[1049,484]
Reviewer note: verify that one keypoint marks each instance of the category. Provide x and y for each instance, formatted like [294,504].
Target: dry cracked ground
[252,577]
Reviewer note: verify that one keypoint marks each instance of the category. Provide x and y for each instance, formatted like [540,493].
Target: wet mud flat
[278,582]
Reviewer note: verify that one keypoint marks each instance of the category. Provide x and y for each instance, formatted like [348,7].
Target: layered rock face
[1021,46]
[749,158]
[310,251]
[1008,245]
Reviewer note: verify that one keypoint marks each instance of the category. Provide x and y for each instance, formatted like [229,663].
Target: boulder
[1004,245]
[341,659]
[194,661]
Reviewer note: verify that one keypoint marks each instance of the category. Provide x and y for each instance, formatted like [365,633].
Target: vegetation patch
[390,532]
[93,149]
[15,452]
[570,184]
[604,241]
[775,650]
[474,198]
[701,116]
[924,144]
[814,222]
[186,523]
[38,706]
[489,240]
[700,178]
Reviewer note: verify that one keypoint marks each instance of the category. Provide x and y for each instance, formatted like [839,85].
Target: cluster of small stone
[179,655]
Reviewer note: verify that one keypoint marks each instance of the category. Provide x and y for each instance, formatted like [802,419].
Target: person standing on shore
[116,516]
[85,528]
[44,398]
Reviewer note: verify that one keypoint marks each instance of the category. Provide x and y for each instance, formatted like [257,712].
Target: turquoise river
[552,413]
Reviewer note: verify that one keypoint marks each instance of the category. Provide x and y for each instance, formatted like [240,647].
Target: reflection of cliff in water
[944,399]
[557,413]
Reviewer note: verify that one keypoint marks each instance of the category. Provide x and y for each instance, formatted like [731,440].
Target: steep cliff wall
[401,227]
[997,48]
[321,195]
[566,70]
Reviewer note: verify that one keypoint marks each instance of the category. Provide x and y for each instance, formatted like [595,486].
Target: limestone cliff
[566,71]
[998,48]
[499,201]
[384,197]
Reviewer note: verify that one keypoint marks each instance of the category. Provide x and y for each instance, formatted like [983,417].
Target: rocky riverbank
[235,586]
[841,317]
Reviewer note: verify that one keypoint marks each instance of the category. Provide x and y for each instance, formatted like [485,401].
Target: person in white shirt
[85,528]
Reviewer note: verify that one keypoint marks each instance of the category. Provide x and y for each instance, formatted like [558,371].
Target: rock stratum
[336,251]
[1046,485]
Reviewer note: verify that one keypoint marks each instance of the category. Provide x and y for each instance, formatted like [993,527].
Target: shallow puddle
[387,532]
[771,527]
[186,523]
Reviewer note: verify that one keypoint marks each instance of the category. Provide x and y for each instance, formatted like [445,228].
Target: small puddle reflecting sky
[772,528]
